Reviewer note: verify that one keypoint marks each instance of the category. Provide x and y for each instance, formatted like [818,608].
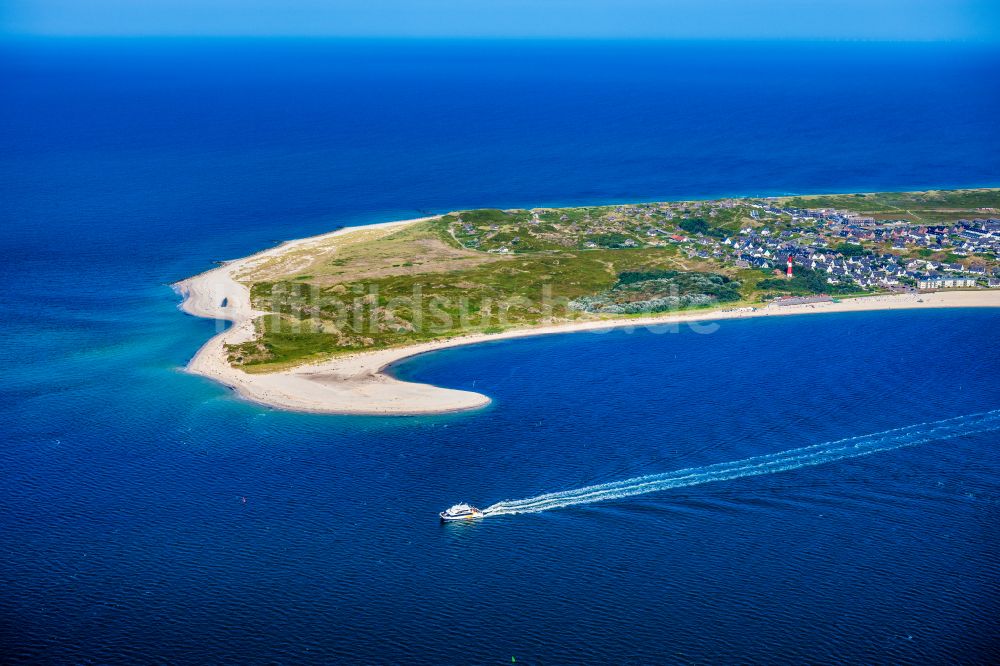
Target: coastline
[358,383]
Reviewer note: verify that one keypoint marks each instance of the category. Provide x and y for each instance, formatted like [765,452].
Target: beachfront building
[945,282]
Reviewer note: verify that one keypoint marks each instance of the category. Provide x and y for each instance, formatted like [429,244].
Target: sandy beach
[357,383]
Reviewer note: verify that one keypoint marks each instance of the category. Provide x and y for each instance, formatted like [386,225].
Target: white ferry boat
[461,512]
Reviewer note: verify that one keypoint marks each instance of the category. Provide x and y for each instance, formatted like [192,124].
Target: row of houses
[964,238]
[946,282]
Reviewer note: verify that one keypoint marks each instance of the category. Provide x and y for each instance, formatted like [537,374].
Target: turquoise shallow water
[123,537]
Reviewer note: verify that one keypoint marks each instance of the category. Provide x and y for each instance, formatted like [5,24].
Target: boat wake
[816,454]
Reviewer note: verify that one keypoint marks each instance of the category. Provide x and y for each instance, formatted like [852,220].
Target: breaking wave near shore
[817,454]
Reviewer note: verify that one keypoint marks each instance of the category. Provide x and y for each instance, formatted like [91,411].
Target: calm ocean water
[123,537]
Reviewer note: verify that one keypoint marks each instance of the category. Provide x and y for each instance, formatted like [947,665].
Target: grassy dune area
[927,207]
[491,270]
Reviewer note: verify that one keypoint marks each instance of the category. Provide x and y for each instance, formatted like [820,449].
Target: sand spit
[357,384]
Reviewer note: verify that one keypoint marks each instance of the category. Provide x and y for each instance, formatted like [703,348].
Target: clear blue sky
[909,20]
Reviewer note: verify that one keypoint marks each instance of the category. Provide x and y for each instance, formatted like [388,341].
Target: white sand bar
[357,384]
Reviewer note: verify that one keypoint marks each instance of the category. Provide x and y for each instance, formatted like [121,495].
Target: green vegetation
[930,207]
[491,270]
[851,249]
[806,282]
[420,284]
[659,291]
[697,225]
[612,240]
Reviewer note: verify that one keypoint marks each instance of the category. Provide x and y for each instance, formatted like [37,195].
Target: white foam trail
[816,454]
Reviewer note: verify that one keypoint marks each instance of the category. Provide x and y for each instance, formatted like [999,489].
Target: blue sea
[124,534]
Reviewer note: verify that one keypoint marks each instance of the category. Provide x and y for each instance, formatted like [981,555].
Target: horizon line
[490,38]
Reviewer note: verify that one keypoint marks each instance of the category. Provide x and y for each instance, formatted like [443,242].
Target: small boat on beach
[460,512]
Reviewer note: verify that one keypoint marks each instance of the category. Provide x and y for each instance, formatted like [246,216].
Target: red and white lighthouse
[789,267]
